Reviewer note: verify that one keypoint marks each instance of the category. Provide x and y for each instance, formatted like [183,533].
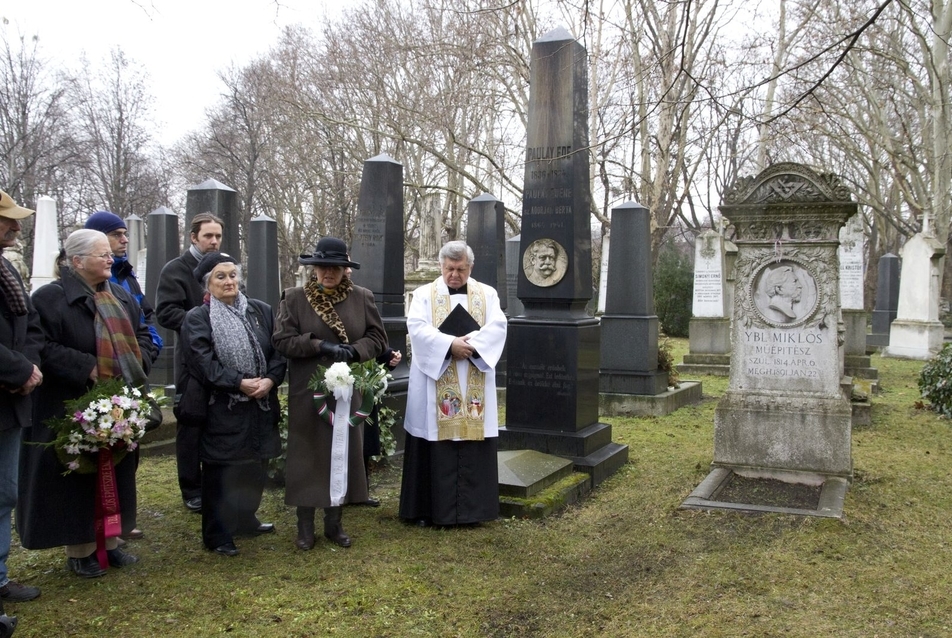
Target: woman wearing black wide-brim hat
[327,320]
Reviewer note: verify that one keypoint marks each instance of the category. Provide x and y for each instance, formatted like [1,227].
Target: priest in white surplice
[450,472]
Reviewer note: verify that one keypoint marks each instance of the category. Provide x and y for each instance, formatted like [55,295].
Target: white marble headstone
[709,275]
[850,254]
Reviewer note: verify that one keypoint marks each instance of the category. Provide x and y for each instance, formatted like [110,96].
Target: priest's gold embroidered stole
[459,417]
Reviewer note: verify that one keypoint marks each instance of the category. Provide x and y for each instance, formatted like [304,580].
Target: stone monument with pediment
[786,415]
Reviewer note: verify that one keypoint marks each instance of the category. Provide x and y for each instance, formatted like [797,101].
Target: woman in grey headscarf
[236,372]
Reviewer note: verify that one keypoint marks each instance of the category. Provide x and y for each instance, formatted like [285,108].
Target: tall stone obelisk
[553,355]
[378,247]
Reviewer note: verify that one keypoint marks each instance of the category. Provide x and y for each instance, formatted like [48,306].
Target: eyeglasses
[100,255]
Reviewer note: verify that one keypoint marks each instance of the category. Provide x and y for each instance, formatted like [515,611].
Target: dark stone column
[513,267]
[887,300]
[378,247]
[162,246]
[486,235]
[553,354]
[629,345]
[263,280]
[211,196]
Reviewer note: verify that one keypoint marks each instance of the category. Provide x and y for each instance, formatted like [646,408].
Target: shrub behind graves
[673,291]
[935,381]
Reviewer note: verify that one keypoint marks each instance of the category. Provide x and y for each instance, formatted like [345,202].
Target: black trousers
[186,458]
[231,495]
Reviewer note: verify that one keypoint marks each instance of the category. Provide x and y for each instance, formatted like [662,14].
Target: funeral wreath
[369,379]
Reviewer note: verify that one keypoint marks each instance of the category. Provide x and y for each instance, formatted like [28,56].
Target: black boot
[305,526]
[7,623]
[332,527]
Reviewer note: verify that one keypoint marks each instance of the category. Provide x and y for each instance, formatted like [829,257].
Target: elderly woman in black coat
[54,509]
[236,371]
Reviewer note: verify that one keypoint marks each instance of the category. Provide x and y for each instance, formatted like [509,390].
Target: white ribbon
[339,441]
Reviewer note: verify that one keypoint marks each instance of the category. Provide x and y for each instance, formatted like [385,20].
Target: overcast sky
[182,44]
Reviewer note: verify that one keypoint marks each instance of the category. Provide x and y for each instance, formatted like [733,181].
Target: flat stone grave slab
[523,473]
[725,490]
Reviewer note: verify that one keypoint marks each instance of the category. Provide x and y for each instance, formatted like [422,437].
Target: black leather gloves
[339,352]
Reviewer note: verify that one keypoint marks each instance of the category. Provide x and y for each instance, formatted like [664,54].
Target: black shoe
[194,504]
[228,549]
[133,535]
[258,530]
[371,502]
[7,625]
[119,558]
[423,522]
[87,567]
[14,592]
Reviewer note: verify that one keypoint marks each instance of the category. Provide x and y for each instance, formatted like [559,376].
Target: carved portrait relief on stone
[784,293]
[545,262]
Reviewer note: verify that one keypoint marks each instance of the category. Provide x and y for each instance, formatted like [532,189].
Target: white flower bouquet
[111,415]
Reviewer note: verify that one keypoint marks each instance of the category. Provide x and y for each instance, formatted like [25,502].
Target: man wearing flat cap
[21,342]
[177,293]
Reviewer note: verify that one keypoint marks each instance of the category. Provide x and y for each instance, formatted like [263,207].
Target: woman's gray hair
[457,251]
[81,243]
[208,276]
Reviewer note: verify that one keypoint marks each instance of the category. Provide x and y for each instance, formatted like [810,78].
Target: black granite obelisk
[553,354]
[486,235]
[211,196]
[163,245]
[887,300]
[264,280]
[630,325]
[378,247]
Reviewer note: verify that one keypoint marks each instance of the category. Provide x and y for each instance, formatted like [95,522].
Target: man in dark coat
[21,342]
[177,293]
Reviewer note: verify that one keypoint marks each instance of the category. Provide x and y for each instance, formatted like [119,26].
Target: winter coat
[21,342]
[234,431]
[177,292]
[298,334]
[53,509]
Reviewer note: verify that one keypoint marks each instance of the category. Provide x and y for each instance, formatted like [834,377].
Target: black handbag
[191,403]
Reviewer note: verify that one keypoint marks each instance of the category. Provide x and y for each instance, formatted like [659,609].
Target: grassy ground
[625,562]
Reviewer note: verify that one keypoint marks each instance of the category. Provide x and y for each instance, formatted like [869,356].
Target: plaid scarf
[12,290]
[117,350]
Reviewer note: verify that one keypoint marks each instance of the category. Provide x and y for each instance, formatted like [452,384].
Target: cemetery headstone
[785,414]
[45,243]
[851,256]
[553,357]
[378,247]
[211,196]
[887,300]
[162,245]
[709,332]
[917,333]
[264,271]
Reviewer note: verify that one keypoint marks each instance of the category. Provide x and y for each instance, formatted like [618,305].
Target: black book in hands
[458,323]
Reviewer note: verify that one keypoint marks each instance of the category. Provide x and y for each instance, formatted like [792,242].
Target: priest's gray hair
[457,251]
[81,243]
